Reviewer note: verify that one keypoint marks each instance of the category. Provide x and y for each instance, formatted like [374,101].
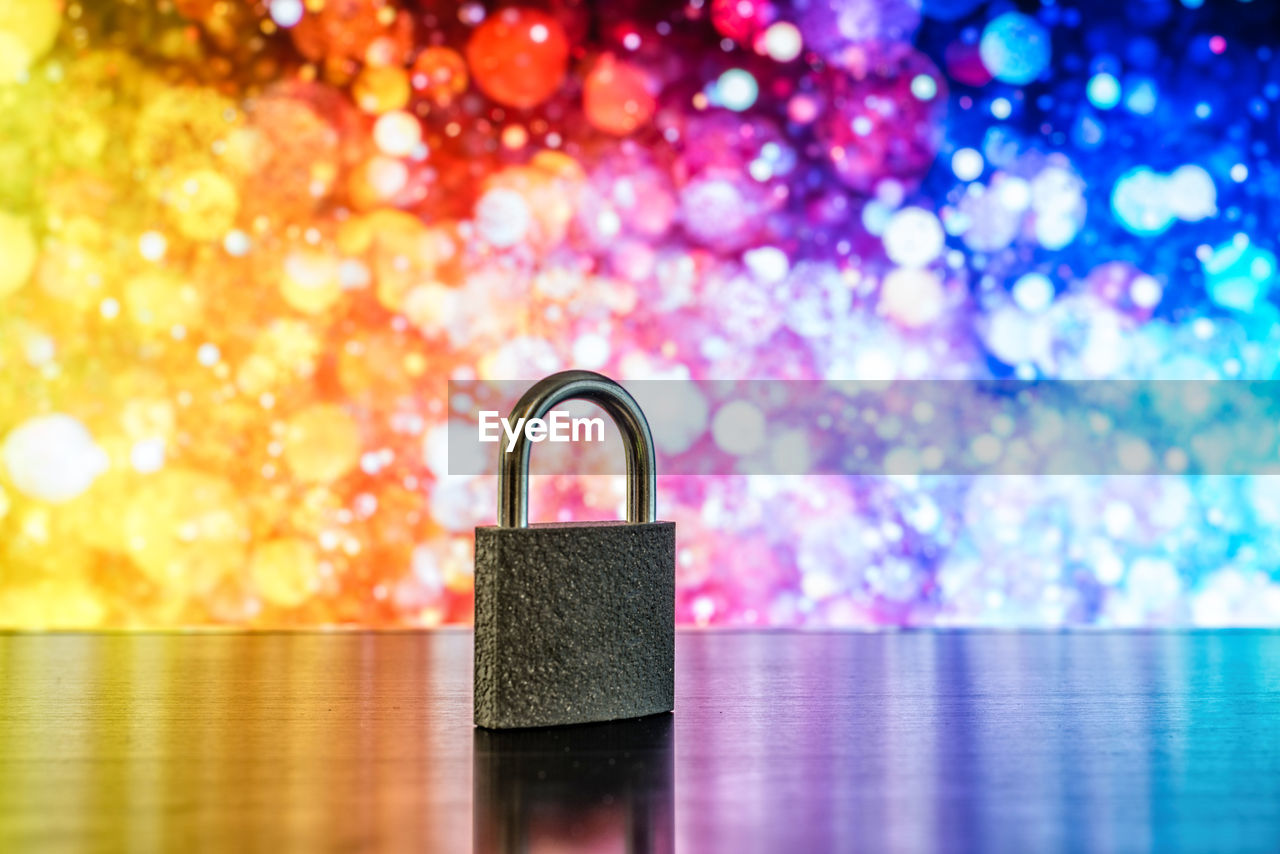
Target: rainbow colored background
[244,245]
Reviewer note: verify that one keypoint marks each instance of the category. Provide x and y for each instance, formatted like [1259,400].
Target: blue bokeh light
[1104,91]
[1015,48]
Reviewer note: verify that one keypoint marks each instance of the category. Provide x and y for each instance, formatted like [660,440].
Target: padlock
[575,622]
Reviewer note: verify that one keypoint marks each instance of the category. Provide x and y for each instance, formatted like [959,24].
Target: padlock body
[575,622]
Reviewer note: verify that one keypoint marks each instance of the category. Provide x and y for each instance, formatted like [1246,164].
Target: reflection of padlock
[595,787]
[575,622]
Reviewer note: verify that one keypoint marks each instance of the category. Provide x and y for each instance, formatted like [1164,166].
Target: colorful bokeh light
[245,244]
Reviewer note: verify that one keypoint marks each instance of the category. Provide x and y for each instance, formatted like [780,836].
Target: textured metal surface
[637,442]
[574,623]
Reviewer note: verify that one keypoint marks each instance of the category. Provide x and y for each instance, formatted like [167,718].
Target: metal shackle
[513,465]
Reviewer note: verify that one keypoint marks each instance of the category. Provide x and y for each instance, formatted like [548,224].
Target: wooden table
[921,741]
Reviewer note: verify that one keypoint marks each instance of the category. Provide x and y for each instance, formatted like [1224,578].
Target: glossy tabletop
[921,741]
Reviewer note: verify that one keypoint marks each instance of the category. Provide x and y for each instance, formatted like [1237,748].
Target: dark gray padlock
[575,622]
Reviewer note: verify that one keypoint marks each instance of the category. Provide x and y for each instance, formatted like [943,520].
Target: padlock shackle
[541,398]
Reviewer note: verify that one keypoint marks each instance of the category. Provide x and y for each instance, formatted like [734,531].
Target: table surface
[913,741]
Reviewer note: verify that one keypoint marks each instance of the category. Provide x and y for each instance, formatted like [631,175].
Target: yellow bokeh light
[96,518]
[310,284]
[73,267]
[402,251]
[144,418]
[380,89]
[292,344]
[322,443]
[284,571]
[66,604]
[178,132]
[18,249]
[160,300]
[256,374]
[203,205]
[28,29]
[186,530]
[427,305]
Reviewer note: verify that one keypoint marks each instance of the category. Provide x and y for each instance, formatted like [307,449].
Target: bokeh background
[244,245]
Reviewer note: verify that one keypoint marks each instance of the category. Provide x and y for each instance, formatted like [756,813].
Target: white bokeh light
[152,245]
[782,41]
[591,350]
[1191,193]
[738,428]
[53,458]
[967,164]
[286,13]
[913,237]
[1033,292]
[502,217]
[1146,292]
[397,133]
[147,455]
[736,89]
